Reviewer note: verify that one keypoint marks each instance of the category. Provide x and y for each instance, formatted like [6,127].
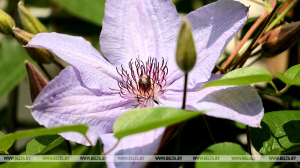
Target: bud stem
[68,146]
[248,140]
[208,129]
[183,108]
[184,91]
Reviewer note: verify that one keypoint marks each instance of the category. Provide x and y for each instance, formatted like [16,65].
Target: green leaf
[190,143]
[240,125]
[92,10]
[1,134]
[42,144]
[80,150]
[242,76]
[145,119]
[228,148]
[12,69]
[12,165]
[291,76]
[279,130]
[46,165]
[96,150]
[7,141]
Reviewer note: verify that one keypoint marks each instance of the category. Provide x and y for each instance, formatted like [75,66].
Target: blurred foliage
[12,69]
[93,11]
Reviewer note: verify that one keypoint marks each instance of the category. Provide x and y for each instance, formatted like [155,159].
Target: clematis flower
[138,39]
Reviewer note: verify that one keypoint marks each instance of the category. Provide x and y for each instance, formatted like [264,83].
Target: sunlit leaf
[242,76]
[1,134]
[145,119]
[228,148]
[7,141]
[279,130]
[291,76]
[12,165]
[43,144]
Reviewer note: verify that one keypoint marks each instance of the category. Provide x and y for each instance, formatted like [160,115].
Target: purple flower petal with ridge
[145,143]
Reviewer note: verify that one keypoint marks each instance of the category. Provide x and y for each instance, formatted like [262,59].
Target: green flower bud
[40,55]
[36,81]
[6,23]
[30,23]
[281,38]
[185,52]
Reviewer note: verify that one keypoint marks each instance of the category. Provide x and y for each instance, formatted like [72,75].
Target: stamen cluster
[144,82]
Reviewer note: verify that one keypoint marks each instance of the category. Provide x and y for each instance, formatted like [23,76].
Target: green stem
[266,93]
[284,89]
[282,15]
[89,140]
[278,93]
[112,148]
[248,140]
[243,41]
[183,108]
[257,37]
[184,91]
[275,88]
[220,69]
[260,3]
[208,129]
[68,147]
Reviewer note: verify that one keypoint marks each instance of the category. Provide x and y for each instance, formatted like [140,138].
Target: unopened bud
[29,22]
[6,23]
[40,55]
[22,36]
[281,38]
[36,81]
[185,52]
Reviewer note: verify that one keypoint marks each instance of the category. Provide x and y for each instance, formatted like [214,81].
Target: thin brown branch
[245,38]
[256,39]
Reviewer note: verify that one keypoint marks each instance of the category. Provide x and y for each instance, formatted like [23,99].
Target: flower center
[144,82]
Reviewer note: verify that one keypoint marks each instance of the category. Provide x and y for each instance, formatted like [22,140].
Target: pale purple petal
[214,25]
[67,101]
[80,53]
[145,143]
[238,103]
[141,29]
